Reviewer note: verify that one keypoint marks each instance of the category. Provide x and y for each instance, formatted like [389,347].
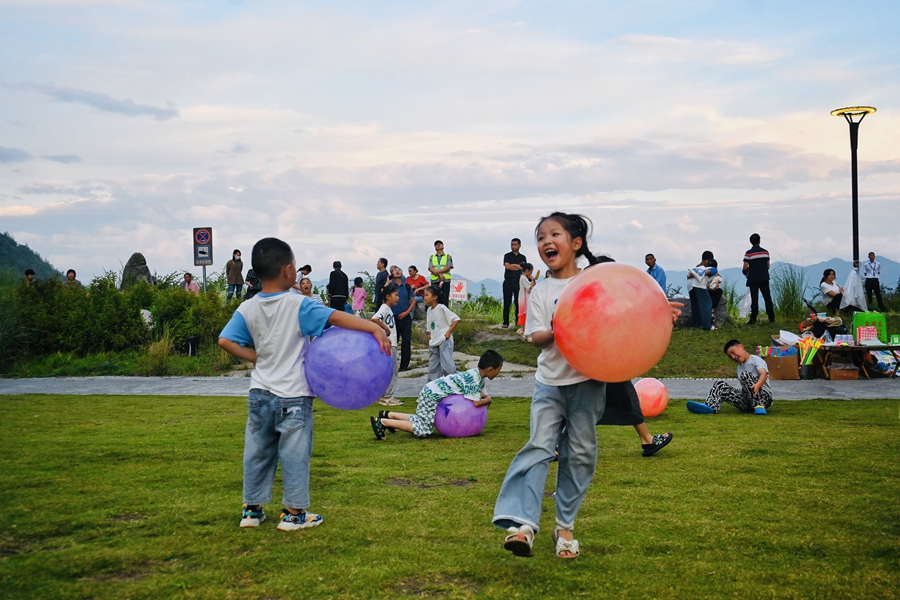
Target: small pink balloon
[653,395]
[613,322]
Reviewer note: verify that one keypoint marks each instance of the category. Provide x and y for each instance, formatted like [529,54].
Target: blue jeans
[578,407]
[277,429]
[234,288]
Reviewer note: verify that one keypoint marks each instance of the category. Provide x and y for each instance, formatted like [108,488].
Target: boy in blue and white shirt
[279,423]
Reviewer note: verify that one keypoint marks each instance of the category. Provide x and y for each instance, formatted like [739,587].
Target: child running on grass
[280,420]
[384,317]
[468,383]
[441,322]
[754,396]
[561,396]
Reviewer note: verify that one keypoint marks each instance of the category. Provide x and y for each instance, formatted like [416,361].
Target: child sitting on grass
[754,396]
[468,383]
[280,420]
[441,322]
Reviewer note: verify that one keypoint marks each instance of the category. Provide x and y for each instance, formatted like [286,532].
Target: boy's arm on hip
[237,350]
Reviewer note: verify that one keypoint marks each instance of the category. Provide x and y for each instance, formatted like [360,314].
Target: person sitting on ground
[754,396]
[384,317]
[832,293]
[468,383]
[189,285]
[70,279]
[418,285]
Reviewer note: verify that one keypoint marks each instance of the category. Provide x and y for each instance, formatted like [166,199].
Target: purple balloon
[457,416]
[347,369]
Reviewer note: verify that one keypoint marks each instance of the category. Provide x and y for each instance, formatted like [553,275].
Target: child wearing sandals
[562,396]
[468,383]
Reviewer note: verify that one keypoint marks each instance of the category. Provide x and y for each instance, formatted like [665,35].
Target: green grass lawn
[137,497]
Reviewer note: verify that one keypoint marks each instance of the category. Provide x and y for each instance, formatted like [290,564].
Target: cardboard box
[783,367]
[843,374]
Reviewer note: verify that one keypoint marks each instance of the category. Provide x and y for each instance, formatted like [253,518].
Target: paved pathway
[501,387]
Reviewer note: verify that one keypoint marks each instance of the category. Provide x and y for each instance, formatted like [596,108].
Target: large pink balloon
[613,322]
[457,416]
[653,396]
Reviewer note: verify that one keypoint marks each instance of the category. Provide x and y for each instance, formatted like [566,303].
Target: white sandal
[519,540]
[564,545]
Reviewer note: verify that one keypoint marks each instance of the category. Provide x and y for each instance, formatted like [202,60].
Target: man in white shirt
[872,275]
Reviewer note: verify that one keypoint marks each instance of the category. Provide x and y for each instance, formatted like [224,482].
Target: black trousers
[872,285]
[510,296]
[755,288]
[404,336]
[445,293]
[338,302]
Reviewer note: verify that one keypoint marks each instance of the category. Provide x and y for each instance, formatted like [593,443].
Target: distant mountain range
[18,257]
[890,273]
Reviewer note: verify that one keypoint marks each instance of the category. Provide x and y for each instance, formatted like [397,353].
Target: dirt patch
[135,573]
[128,518]
[436,586]
[490,336]
[430,482]
[10,546]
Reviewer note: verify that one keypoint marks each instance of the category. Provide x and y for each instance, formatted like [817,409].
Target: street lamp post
[854,116]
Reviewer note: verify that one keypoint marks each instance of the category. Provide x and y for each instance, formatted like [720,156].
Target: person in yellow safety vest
[439,266]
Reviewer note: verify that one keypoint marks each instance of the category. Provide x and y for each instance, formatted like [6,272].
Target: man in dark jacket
[756,268]
[338,286]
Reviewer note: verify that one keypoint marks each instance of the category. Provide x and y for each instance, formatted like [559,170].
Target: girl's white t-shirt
[552,367]
[438,320]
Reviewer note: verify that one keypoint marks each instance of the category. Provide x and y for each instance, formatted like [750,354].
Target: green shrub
[156,361]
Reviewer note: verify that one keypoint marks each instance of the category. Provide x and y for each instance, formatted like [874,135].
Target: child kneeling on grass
[468,383]
[754,396]
[280,420]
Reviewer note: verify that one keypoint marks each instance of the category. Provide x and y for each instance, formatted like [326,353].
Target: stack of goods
[808,348]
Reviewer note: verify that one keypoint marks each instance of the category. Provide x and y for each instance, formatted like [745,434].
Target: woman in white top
[832,294]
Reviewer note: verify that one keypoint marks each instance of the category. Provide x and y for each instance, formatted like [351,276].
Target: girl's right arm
[542,339]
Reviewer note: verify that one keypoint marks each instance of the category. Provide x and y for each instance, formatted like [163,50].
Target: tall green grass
[788,287]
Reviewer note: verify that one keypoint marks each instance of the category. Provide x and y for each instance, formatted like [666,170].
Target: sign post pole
[203,249]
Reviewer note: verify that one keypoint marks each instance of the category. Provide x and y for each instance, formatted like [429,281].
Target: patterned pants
[423,420]
[742,399]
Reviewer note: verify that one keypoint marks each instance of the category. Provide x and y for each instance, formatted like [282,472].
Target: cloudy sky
[355,130]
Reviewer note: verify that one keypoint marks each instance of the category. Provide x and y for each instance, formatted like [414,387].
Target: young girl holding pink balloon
[565,407]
